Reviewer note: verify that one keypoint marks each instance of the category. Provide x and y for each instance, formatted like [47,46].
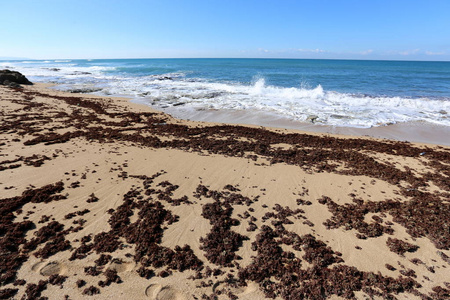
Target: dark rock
[80,73]
[11,77]
[11,84]
[312,118]
[84,90]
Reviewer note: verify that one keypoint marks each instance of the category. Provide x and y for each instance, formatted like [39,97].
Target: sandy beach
[101,198]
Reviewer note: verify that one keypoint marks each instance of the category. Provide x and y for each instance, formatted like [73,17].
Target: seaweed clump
[13,233]
[221,243]
[400,247]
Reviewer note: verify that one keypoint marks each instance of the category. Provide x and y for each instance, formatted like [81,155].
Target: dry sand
[104,199]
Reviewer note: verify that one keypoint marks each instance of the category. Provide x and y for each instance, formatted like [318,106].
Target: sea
[338,93]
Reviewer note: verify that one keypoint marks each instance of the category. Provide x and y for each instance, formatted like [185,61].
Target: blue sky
[347,29]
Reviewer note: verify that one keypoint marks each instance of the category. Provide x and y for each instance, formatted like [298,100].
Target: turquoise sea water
[349,93]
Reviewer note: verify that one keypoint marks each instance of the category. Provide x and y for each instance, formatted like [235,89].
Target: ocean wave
[33,62]
[40,71]
[182,90]
[302,104]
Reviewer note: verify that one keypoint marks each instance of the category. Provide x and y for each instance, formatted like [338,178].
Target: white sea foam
[62,71]
[327,107]
[35,62]
[296,103]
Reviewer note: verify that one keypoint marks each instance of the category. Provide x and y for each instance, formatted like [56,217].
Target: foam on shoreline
[418,132]
[172,86]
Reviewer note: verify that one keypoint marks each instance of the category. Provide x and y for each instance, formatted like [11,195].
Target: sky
[323,29]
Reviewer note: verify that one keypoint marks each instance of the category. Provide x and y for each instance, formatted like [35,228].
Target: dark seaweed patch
[13,234]
[400,247]
[90,291]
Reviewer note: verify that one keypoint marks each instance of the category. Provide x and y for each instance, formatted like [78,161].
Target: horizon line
[284,58]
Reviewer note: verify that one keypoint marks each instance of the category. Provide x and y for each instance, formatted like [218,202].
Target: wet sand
[105,199]
[416,132]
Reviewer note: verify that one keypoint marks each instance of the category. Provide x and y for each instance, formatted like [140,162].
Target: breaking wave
[176,89]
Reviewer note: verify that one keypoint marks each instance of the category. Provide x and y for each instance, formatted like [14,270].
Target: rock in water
[8,77]
[312,118]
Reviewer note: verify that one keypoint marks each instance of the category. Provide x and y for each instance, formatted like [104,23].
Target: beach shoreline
[415,132]
[411,132]
[110,199]
[335,95]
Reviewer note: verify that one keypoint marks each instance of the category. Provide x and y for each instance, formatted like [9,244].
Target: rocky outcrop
[84,90]
[12,78]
